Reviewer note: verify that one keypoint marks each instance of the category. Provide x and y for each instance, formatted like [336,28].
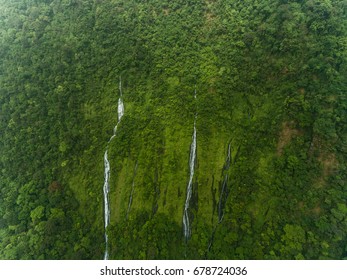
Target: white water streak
[106,187]
[132,192]
[224,186]
[186,223]
[220,204]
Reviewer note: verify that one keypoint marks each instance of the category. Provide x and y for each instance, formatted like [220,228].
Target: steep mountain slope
[270,116]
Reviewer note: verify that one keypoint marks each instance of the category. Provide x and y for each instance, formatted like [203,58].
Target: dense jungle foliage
[270,78]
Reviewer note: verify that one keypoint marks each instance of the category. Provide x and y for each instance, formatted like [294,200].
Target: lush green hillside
[270,78]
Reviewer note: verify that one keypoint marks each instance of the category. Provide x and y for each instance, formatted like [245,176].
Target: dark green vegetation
[270,79]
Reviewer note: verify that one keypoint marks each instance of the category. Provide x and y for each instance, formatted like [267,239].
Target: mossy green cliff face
[269,177]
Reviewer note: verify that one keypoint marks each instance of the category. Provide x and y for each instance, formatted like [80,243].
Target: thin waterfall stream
[186,223]
[106,187]
[132,191]
[223,194]
[224,191]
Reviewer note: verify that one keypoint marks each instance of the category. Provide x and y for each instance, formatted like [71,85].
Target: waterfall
[228,160]
[223,195]
[224,191]
[106,187]
[222,199]
[186,224]
[132,192]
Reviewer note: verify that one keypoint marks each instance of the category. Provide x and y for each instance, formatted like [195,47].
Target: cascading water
[186,224]
[228,160]
[222,199]
[223,195]
[224,192]
[106,187]
[132,192]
